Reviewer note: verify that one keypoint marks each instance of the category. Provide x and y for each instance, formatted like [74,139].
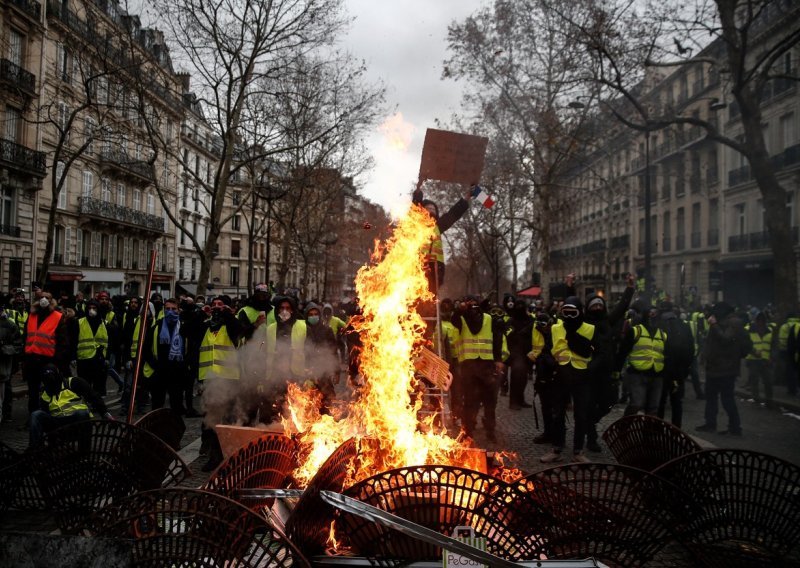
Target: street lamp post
[647,228]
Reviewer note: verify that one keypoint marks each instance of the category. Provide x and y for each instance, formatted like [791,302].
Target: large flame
[384,417]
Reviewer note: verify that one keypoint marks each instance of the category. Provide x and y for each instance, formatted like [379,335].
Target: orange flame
[385,415]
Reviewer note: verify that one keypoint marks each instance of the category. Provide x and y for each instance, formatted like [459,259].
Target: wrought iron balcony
[29,7]
[112,212]
[756,241]
[16,76]
[10,230]
[21,158]
[121,161]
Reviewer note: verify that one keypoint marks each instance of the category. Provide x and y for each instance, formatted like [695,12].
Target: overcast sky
[404,44]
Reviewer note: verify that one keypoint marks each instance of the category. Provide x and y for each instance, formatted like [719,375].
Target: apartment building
[708,231]
[103,77]
[22,164]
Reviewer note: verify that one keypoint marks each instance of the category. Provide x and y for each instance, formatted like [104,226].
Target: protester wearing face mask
[321,358]
[573,348]
[89,347]
[257,312]
[46,341]
[481,353]
[449,347]
[218,362]
[165,352]
[286,340]
[519,333]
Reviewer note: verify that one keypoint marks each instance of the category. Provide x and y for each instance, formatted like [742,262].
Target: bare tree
[746,43]
[232,49]
[526,72]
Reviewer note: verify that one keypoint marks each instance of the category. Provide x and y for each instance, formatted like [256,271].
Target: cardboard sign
[467,536]
[452,157]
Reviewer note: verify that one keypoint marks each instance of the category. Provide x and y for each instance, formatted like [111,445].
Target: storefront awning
[189,288]
[65,276]
[532,291]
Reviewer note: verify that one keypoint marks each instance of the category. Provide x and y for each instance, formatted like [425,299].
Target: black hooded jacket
[607,328]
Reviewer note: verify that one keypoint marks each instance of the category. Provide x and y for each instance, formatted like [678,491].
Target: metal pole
[647,228]
[269,237]
[142,335]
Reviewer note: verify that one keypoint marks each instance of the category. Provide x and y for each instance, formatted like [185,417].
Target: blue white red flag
[480,194]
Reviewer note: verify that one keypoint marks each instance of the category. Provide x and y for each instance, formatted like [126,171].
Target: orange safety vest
[42,340]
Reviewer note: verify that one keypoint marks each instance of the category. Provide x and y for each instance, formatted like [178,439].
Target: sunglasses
[570,313]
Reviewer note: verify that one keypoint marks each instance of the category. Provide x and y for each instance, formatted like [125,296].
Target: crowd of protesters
[580,354]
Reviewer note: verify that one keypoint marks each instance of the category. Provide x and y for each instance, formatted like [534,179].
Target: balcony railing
[622,241]
[22,158]
[17,76]
[696,240]
[713,237]
[756,241]
[30,7]
[10,230]
[120,160]
[111,211]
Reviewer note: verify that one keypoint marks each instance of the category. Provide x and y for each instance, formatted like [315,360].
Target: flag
[481,195]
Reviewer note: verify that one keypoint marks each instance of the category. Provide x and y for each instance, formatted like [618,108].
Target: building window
[788,135]
[740,218]
[194,270]
[58,245]
[680,229]
[235,248]
[16,48]
[236,222]
[181,268]
[63,117]
[666,244]
[13,123]
[63,193]
[88,182]
[151,204]
[89,128]
[112,252]
[121,245]
[234,275]
[6,207]
[236,196]
[62,62]
[105,190]
[137,199]
[121,197]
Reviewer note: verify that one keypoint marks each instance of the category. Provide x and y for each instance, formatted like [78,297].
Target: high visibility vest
[648,352]
[478,346]
[65,403]
[436,249]
[538,344]
[297,342]
[450,340]
[218,355]
[336,324]
[89,342]
[147,370]
[783,332]
[42,340]
[108,319]
[762,345]
[20,318]
[561,350]
[251,312]
[699,320]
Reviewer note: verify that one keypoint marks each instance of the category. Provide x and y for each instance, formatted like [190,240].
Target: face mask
[284,315]
[313,320]
[171,316]
[44,303]
[92,313]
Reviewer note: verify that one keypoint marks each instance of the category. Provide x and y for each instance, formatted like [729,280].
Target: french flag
[481,195]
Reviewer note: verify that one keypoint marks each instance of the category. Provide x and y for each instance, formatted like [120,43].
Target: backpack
[680,345]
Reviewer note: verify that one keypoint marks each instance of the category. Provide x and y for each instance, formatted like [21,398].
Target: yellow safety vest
[436,249]
[648,352]
[109,317]
[336,324]
[65,403]
[218,355]
[252,315]
[695,338]
[538,344]
[450,338]
[88,342]
[147,370]
[561,350]
[298,346]
[783,333]
[476,346]
[762,345]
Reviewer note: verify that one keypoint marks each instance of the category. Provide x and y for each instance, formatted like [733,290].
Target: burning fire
[383,418]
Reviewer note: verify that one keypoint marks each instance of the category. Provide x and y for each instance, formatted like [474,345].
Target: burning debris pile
[384,415]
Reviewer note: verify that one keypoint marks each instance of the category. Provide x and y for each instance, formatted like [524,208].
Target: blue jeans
[724,387]
[43,422]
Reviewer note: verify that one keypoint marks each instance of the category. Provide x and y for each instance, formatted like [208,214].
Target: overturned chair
[647,442]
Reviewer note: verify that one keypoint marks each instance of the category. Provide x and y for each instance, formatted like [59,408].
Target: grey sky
[404,43]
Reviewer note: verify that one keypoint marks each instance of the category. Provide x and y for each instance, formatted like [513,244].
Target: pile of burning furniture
[665,502]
